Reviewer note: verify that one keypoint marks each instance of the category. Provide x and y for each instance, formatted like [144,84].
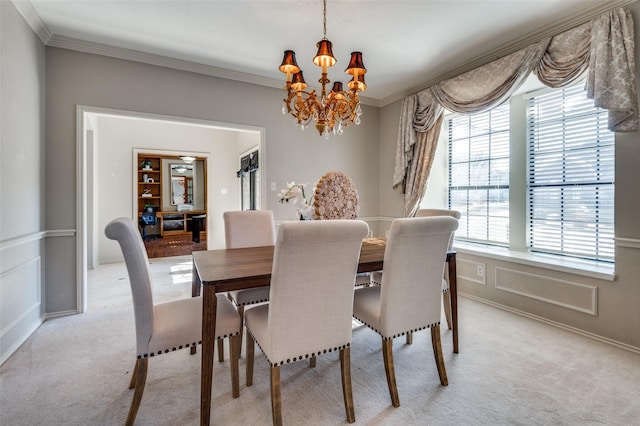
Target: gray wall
[75,78]
[22,185]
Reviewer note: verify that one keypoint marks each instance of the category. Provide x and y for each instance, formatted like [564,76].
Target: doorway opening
[107,172]
[170,199]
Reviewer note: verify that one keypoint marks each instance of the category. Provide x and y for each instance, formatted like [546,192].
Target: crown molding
[547,31]
[49,39]
[33,20]
[167,62]
[164,61]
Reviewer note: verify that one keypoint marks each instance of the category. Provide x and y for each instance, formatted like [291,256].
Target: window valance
[603,46]
[248,164]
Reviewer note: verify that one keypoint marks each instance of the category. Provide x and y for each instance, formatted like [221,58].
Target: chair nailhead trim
[252,302]
[396,335]
[300,357]
[187,345]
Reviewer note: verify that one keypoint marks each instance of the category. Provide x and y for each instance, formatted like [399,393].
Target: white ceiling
[406,45]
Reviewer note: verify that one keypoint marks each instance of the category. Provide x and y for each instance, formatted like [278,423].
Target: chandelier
[334,110]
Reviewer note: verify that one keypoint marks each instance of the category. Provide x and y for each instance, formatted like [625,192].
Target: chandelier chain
[324,28]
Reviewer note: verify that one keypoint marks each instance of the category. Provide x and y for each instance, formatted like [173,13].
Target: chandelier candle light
[333,110]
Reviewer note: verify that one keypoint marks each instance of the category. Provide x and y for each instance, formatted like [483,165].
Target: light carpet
[511,370]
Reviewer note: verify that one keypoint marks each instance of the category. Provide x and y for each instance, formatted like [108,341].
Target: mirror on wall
[181,184]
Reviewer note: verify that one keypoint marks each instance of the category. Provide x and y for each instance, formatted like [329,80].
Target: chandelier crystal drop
[334,110]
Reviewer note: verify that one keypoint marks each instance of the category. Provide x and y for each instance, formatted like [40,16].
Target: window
[570,184]
[249,181]
[535,174]
[479,174]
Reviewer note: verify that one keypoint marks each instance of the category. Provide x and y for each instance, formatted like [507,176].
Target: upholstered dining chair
[311,300]
[446,295]
[248,228]
[408,299]
[168,326]
[376,277]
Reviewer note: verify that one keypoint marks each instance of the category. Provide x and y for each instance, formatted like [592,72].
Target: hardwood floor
[174,245]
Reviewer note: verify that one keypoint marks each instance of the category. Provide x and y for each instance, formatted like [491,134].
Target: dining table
[217,271]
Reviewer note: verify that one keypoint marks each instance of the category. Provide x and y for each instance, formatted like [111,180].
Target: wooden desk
[235,269]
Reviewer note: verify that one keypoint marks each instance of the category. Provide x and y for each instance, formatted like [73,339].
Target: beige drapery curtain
[604,46]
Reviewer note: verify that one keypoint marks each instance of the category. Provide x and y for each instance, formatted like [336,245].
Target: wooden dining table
[235,269]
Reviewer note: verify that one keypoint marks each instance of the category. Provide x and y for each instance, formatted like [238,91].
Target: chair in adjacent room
[147,219]
[168,326]
[311,301]
[248,228]
[408,299]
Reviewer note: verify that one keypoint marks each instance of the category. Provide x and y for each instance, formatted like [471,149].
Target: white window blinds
[570,176]
[479,174]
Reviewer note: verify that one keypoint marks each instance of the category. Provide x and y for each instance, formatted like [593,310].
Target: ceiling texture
[407,45]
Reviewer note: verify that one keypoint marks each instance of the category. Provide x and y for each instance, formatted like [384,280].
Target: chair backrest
[249,228]
[311,294]
[126,234]
[412,281]
[439,212]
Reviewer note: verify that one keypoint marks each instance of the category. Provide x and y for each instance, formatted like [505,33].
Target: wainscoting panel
[571,295]
[21,300]
[468,271]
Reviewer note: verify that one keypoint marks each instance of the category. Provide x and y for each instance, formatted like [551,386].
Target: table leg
[195,292]
[453,290]
[209,308]
[195,230]
[196,284]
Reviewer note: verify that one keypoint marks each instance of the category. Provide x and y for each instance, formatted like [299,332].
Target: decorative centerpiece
[294,193]
[335,197]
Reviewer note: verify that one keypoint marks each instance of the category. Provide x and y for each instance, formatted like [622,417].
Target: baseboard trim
[11,350]
[562,326]
[53,315]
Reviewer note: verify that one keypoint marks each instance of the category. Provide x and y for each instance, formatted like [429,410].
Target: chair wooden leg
[446,303]
[409,338]
[134,375]
[250,351]
[234,348]
[387,353]
[345,370]
[241,313]
[437,353]
[276,396]
[312,362]
[140,372]
[220,350]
